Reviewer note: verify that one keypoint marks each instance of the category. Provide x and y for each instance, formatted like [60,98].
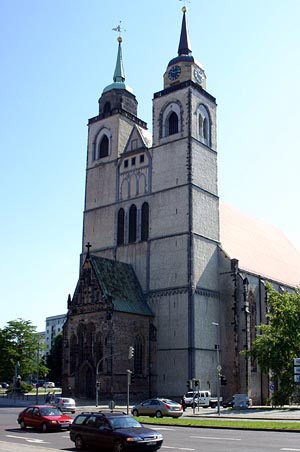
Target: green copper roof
[118,281]
[119,74]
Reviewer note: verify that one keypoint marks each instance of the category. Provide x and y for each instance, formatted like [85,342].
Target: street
[176,439]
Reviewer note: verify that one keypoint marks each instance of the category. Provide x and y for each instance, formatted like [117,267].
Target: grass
[225,423]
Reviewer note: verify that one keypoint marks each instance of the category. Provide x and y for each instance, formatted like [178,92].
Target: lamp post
[219,368]
[247,330]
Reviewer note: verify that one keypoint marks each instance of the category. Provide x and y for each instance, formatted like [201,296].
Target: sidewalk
[256,412]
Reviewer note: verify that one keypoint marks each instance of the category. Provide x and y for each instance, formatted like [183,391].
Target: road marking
[221,439]
[30,440]
[287,448]
[165,428]
[177,448]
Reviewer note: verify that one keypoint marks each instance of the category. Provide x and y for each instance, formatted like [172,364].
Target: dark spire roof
[184,47]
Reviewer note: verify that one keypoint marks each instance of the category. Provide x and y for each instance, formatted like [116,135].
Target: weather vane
[119,29]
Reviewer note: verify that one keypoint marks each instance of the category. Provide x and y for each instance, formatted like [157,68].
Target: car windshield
[123,422]
[50,411]
[169,402]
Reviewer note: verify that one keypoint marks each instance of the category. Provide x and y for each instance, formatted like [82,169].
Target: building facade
[152,208]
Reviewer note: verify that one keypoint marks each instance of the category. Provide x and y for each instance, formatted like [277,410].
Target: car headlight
[134,440]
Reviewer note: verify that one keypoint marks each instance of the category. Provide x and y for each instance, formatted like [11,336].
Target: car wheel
[44,427]
[119,446]
[79,443]
[213,405]
[158,414]
[22,425]
[135,412]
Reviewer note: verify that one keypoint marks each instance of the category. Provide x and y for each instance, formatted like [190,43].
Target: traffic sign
[297,378]
[296,361]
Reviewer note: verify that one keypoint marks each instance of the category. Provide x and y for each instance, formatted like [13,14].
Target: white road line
[177,448]
[221,439]
[287,448]
[29,440]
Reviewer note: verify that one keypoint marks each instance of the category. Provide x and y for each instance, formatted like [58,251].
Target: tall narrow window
[173,123]
[145,222]
[138,355]
[120,234]
[106,109]
[205,129]
[132,224]
[104,145]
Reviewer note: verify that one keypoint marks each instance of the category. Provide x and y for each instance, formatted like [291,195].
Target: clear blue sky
[56,58]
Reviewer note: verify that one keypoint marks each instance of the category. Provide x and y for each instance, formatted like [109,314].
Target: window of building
[107,108]
[104,147]
[145,222]
[173,123]
[132,224]
[142,158]
[120,232]
[125,163]
[138,355]
[133,161]
[204,125]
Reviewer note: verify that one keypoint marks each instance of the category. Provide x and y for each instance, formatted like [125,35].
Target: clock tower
[184,291]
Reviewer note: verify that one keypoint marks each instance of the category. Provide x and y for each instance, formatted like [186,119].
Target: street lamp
[219,368]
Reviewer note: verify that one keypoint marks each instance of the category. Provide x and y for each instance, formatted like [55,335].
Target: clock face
[198,75]
[174,72]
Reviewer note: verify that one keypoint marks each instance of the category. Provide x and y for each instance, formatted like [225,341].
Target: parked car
[4,385]
[44,417]
[158,407]
[237,401]
[49,384]
[65,404]
[113,430]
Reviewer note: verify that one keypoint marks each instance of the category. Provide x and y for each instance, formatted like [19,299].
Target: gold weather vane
[119,29]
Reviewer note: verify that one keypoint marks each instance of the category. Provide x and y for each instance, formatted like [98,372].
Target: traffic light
[223,380]
[189,384]
[196,383]
[131,352]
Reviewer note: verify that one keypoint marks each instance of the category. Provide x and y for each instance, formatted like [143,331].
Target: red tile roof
[260,248]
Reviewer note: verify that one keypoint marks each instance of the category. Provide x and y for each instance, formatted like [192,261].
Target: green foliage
[20,343]
[279,343]
[54,359]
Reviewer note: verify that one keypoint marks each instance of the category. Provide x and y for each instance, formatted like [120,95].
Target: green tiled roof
[118,281]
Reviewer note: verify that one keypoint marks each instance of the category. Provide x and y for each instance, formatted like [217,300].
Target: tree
[279,342]
[21,350]
[54,359]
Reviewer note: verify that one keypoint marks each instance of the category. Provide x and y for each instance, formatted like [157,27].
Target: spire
[184,47]
[119,75]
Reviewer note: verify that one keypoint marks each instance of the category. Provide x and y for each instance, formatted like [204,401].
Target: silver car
[158,407]
[65,404]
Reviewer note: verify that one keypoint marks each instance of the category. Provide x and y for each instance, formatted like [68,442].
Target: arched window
[73,353]
[132,224]
[103,147]
[138,355]
[204,125]
[120,234]
[171,119]
[106,109]
[173,123]
[99,351]
[145,222]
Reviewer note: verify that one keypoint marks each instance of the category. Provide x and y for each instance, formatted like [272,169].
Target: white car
[49,384]
[65,404]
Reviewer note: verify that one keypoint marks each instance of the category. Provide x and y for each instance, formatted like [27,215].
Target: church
[172,280]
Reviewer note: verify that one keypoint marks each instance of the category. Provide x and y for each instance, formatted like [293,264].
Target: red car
[44,417]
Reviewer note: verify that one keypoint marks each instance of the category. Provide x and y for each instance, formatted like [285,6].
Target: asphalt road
[176,439]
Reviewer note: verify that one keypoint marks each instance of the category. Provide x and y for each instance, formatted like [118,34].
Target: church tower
[183,263]
[152,202]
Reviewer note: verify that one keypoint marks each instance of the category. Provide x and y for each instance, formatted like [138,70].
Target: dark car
[44,417]
[116,431]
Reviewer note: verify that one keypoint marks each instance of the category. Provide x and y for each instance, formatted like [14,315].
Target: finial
[88,246]
[184,8]
[120,30]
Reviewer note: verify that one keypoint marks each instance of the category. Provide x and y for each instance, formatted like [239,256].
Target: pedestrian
[48,397]
[183,403]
